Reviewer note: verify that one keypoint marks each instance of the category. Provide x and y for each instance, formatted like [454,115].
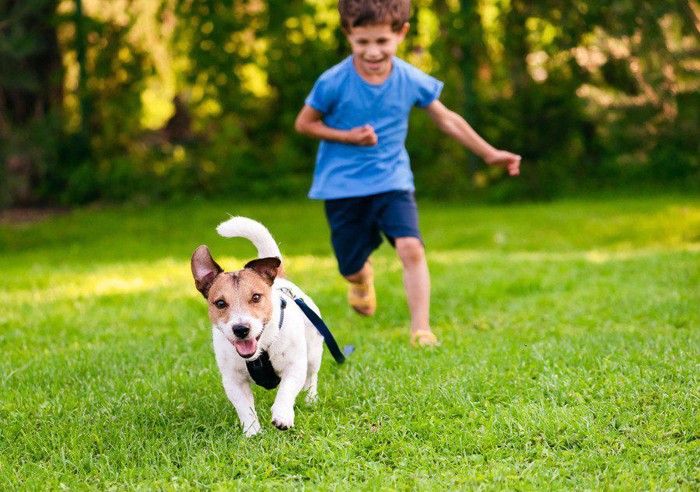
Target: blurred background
[145,100]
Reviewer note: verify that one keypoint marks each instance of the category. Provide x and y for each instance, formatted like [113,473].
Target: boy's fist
[502,158]
[362,135]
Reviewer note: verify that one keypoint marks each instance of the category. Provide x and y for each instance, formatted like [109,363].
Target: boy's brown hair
[357,13]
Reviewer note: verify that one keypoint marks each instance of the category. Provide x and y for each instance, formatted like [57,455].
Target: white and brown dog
[255,319]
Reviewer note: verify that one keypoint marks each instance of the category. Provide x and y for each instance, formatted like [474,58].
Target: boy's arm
[456,127]
[309,122]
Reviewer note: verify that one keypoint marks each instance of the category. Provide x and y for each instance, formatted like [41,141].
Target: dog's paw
[252,429]
[283,419]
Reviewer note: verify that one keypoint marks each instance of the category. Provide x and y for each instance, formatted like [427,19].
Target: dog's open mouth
[246,348]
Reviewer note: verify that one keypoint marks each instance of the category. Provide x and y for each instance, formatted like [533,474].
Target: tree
[31,81]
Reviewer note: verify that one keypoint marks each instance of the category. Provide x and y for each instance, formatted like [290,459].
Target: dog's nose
[241,331]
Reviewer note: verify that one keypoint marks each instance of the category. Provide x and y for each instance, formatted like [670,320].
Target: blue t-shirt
[347,101]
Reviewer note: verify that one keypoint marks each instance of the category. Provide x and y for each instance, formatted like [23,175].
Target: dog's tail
[253,231]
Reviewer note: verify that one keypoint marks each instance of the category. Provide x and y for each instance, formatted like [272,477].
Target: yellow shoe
[424,338]
[362,296]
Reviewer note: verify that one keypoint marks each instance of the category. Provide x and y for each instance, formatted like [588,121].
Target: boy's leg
[355,235]
[416,281]
[360,276]
[362,296]
[399,221]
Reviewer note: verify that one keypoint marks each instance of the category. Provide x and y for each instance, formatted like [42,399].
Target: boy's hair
[357,13]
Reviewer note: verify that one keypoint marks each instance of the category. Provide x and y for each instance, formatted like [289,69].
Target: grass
[570,355]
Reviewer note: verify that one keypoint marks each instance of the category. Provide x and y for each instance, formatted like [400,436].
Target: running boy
[359,110]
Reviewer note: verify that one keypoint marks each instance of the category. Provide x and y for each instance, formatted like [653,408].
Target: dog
[254,318]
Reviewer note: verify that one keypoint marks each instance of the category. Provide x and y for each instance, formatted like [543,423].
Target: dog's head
[240,303]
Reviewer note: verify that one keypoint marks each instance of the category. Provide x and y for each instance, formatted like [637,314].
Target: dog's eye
[221,304]
[256,298]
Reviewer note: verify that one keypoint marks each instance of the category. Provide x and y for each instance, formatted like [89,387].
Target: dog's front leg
[290,386]
[240,394]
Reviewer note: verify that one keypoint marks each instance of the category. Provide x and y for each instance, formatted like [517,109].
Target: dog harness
[261,369]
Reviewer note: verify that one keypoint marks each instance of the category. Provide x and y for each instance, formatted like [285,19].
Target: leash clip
[288,292]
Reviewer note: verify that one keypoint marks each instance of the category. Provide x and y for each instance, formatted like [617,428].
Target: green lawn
[570,357]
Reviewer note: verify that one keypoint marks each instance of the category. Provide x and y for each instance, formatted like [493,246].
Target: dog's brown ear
[267,268]
[204,269]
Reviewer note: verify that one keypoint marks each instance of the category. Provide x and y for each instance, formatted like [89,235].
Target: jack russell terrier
[260,334]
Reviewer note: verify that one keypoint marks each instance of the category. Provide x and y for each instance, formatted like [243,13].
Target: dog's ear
[204,269]
[267,268]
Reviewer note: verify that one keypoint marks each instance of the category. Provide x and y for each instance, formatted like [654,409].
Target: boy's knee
[360,275]
[410,250]
[354,277]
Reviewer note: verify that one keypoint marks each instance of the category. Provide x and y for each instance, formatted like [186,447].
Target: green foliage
[30,97]
[569,357]
[587,92]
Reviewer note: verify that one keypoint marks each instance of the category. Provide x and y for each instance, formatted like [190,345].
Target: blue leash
[316,320]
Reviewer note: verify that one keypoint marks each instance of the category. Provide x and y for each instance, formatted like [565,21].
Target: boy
[359,110]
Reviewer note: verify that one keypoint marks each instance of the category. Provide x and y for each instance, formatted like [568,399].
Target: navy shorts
[357,225]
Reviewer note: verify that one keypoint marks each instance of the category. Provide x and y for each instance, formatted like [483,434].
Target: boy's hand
[361,135]
[502,158]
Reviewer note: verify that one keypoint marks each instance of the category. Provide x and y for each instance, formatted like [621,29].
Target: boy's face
[373,47]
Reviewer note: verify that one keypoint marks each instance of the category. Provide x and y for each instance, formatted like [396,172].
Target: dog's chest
[262,370]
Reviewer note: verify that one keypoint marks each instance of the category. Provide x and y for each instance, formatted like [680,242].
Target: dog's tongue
[246,348]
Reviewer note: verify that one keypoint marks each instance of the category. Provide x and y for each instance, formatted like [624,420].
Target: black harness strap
[261,369]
